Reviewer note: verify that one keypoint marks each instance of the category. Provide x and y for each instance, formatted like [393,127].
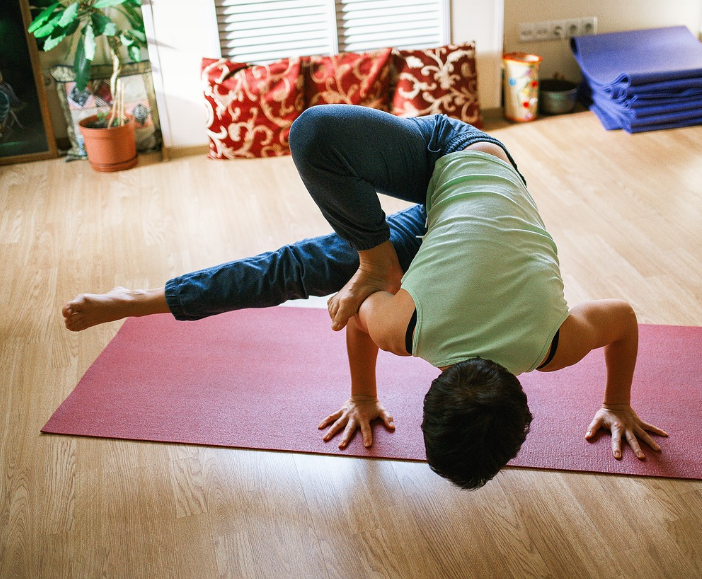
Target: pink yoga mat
[264,379]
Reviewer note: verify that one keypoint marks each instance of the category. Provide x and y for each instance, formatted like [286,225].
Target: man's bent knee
[309,134]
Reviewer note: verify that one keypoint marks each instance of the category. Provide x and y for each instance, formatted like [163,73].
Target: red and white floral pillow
[250,108]
[437,80]
[349,78]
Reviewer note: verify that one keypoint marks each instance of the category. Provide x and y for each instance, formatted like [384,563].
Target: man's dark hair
[475,421]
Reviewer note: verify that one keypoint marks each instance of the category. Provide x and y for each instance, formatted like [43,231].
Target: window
[263,31]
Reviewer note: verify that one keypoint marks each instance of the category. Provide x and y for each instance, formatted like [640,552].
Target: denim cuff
[173,300]
[370,243]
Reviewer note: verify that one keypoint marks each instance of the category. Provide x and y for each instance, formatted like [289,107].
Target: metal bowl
[557,96]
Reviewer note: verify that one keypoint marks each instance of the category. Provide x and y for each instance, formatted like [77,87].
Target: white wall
[482,21]
[179,37]
[612,16]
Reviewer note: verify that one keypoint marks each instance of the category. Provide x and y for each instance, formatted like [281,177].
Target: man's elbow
[626,313]
[621,320]
[629,316]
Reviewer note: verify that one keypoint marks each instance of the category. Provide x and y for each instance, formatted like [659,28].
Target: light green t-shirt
[486,280]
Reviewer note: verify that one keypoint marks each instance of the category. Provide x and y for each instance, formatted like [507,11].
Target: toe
[75,323]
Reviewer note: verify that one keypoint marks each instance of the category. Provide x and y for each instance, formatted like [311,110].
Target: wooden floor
[626,212]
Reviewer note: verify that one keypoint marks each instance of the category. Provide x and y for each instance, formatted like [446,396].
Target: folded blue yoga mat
[690,97]
[690,87]
[680,110]
[612,121]
[638,102]
[642,80]
[638,57]
[663,126]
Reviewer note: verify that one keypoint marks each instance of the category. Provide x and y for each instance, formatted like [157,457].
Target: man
[468,279]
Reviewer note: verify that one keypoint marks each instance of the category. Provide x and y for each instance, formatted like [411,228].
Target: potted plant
[109,138]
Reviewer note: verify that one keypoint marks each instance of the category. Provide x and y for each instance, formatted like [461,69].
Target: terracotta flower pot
[112,149]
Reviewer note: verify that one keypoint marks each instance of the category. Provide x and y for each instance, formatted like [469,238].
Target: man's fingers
[329,419]
[643,435]
[593,428]
[348,432]
[354,417]
[654,429]
[387,419]
[616,442]
[366,433]
[634,444]
[336,427]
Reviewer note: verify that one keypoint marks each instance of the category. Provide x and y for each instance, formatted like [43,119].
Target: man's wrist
[616,405]
[364,397]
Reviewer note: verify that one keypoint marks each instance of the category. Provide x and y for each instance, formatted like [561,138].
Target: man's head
[475,421]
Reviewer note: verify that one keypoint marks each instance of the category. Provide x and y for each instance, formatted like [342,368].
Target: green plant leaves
[134,53]
[57,35]
[63,19]
[89,43]
[106,3]
[134,16]
[133,43]
[48,27]
[103,24]
[139,36]
[68,16]
[43,17]
[55,25]
[81,66]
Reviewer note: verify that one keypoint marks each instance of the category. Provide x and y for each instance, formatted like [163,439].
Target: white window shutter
[369,24]
[262,31]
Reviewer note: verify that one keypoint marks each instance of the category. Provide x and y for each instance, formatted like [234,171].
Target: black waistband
[552,351]
[410,332]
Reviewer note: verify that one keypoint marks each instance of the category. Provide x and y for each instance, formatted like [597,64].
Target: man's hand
[357,412]
[623,422]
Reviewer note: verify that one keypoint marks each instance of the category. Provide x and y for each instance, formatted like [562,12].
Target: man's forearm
[363,354]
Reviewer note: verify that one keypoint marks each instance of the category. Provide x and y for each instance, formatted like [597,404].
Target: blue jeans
[345,154]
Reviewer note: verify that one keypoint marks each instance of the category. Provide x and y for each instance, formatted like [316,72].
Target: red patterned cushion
[437,80]
[349,78]
[250,107]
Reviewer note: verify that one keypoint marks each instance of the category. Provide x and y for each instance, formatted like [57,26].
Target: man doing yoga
[468,279]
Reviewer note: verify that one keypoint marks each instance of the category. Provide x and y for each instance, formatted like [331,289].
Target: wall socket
[557,29]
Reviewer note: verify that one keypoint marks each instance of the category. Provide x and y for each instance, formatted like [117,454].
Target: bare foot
[379,271]
[89,310]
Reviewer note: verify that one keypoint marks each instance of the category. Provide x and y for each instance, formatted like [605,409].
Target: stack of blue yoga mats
[642,80]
